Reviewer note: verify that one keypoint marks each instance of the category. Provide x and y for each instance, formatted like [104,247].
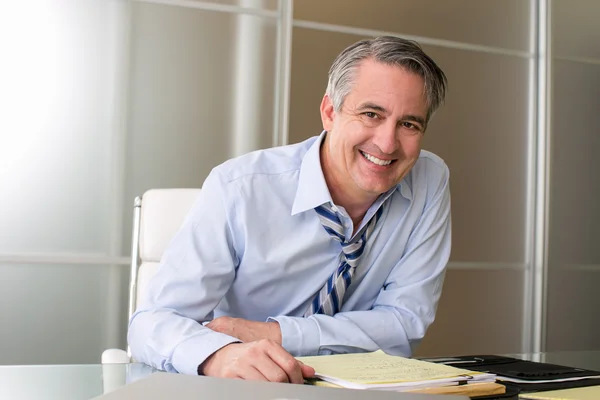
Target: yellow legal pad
[378,370]
[582,393]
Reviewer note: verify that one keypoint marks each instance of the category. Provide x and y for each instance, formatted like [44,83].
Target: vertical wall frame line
[537,275]
[284,70]
[532,92]
[532,125]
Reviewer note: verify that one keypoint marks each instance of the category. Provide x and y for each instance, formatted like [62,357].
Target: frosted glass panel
[54,314]
[260,4]
[575,187]
[481,133]
[195,101]
[502,23]
[575,29]
[57,124]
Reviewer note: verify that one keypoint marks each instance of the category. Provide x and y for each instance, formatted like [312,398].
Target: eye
[371,115]
[411,126]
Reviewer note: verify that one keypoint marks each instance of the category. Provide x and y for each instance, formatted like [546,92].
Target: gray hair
[389,50]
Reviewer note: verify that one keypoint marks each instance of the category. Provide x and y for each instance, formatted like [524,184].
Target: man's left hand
[245,330]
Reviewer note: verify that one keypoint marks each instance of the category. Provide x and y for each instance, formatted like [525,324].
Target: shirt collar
[312,189]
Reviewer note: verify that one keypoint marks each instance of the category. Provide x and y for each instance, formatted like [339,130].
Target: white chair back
[158,215]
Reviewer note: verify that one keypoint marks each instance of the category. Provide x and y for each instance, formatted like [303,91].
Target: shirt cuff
[299,336]
[188,355]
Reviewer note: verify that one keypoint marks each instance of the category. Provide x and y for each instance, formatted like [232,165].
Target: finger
[274,373]
[251,373]
[212,325]
[270,369]
[286,362]
[307,370]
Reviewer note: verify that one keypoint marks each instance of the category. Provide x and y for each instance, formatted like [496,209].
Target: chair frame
[135,252]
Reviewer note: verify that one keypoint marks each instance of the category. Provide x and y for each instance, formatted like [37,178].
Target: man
[334,245]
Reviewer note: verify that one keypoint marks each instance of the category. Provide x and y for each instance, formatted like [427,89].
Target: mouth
[375,160]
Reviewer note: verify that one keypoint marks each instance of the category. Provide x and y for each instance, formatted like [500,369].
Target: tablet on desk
[163,385]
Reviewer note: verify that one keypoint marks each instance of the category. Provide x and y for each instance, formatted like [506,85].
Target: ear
[327,113]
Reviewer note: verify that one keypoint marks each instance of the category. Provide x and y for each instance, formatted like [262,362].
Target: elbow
[136,338]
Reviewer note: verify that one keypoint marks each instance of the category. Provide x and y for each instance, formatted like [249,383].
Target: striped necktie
[329,299]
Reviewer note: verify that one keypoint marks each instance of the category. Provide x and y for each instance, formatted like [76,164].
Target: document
[582,393]
[379,370]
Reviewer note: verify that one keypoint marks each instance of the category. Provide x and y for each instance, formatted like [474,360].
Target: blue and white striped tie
[329,299]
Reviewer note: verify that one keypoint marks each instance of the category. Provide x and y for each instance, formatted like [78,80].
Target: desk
[83,382]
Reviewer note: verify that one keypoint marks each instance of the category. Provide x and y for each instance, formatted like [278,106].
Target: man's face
[375,139]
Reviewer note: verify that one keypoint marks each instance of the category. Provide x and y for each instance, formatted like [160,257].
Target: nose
[385,138]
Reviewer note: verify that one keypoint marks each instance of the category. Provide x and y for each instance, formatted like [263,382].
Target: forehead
[375,81]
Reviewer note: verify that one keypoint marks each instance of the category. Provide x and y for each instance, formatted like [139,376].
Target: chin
[376,189]
[374,185]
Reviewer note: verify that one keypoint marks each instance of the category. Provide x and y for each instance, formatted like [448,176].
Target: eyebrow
[372,106]
[414,118]
[383,110]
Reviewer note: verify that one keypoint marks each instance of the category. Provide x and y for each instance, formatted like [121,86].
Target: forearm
[245,330]
[168,341]
[353,331]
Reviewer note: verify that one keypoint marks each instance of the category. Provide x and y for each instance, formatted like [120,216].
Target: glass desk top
[83,382]
[66,382]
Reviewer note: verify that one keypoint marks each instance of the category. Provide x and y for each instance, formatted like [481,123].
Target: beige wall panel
[575,146]
[573,321]
[468,21]
[481,133]
[575,28]
[480,312]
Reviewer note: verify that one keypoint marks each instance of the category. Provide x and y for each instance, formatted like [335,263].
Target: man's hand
[262,360]
[246,331]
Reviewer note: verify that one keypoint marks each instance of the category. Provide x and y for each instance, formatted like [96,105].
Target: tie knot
[332,224]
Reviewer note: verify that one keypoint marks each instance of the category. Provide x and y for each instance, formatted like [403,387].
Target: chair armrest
[115,356]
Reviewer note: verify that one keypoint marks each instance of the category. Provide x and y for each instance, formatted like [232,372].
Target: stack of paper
[378,370]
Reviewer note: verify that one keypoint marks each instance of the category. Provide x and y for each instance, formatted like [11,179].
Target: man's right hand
[263,360]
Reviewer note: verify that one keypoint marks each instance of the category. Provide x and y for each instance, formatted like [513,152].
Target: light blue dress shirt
[253,247]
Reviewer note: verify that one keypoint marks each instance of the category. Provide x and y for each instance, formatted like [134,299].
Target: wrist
[275,333]
[206,366]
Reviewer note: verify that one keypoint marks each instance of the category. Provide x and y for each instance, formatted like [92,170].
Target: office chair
[157,216]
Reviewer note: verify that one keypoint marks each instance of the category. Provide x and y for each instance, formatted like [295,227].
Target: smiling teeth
[376,160]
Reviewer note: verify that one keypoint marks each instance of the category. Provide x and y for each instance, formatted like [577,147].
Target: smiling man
[337,244]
